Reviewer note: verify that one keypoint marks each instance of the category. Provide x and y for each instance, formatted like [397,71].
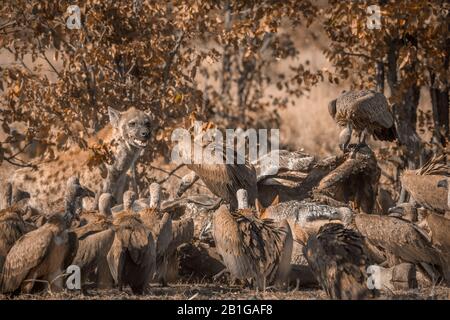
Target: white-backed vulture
[160,224]
[12,227]
[305,218]
[445,184]
[42,254]
[365,111]
[182,233]
[337,257]
[223,179]
[94,242]
[132,256]
[398,239]
[355,180]
[439,227]
[252,248]
[128,200]
[290,175]
[422,184]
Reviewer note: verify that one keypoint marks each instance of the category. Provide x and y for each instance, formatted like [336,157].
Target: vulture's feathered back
[337,257]
[38,255]
[398,238]
[12,227]
[365,110]
[133,253]
[422,184]
[355,179]
[252,248]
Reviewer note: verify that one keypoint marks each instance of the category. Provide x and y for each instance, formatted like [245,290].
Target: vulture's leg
[344,137]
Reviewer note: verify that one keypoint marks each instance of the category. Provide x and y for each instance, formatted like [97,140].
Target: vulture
[160,225]
[94,242]
[364,111]
[169,234]
[132,256]
[355,179]
[44,253]
[399,239]
[423,184]
[290,175]
[305,218]
[222,179]
[252,248]
[445,185]
[182,233]
[337,257]
[129,197]
[439,227]
[12,227]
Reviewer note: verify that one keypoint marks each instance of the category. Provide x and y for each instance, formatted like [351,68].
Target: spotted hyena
[127,134]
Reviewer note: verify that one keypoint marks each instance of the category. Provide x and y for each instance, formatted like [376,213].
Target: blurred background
[248,64]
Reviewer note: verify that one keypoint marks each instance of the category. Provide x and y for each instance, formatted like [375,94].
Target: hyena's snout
[144,133]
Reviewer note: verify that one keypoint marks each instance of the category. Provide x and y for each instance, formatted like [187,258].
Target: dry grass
[207,291]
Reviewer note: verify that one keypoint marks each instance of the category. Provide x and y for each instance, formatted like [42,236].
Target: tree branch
[361,55]
[169,62]
[169,173]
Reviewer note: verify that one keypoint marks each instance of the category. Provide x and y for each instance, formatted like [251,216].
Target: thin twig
[361,55]
[7,24]
[25,165]
[170,173]
[174,175]
[165,171]
[21,150]
[51,65]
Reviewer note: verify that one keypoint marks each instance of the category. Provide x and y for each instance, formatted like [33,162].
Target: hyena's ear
[114,116]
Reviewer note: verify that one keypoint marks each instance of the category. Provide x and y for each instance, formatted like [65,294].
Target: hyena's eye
[147,123]
[132,123]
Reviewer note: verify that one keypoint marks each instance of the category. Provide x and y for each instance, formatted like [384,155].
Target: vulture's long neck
[69,207]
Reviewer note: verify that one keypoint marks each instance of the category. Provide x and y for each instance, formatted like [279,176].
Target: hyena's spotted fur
[127,135]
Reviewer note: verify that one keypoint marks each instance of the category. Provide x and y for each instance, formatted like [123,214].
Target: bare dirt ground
[209,291]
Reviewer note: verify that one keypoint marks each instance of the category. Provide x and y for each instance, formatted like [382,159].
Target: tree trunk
[440,102]
[380,76]
[440,106]
[405,111]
